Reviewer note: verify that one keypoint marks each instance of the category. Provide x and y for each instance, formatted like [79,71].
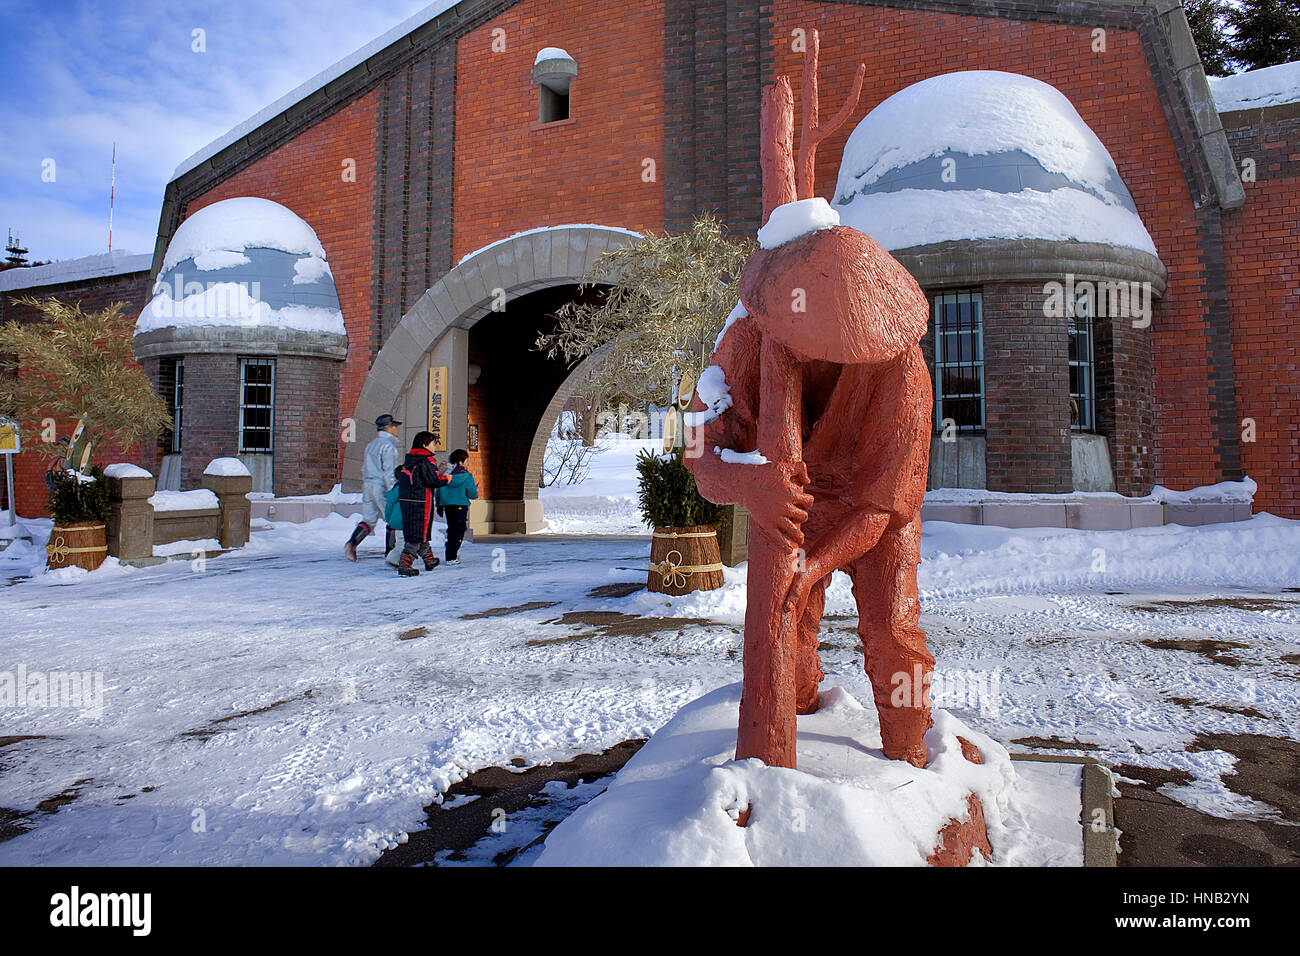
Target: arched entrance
[512,396]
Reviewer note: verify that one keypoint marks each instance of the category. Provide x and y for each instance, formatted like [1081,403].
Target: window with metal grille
[1083,391]
[256,404]
[959,360]
[171,386]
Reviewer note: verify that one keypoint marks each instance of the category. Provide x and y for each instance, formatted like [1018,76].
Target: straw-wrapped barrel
[81,545]
[684,560]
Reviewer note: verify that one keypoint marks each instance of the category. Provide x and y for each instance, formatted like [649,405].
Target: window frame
[244,365]
[976,299]
[1087,399]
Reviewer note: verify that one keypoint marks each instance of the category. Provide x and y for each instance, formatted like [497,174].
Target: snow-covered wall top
[244,262]
[1271,86]
[998,156]
[106,264]
[317,82]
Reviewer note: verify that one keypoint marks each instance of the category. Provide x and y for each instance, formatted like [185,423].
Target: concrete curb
[1100,838]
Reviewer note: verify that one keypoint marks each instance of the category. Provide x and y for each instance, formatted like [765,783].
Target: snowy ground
[260,708]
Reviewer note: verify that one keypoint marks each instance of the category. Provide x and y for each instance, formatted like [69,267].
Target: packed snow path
[264,710]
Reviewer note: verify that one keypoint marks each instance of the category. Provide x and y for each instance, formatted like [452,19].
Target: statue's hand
[776,500]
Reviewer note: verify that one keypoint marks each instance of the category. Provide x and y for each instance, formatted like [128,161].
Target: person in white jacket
[378,474]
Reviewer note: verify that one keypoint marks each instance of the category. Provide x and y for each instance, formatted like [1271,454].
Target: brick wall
[306,429]
[513,175]
[1263,259]
[1116,93]
[30,493]
[1026,389]
[306,176]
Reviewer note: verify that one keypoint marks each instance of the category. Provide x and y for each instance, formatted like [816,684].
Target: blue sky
[79,75]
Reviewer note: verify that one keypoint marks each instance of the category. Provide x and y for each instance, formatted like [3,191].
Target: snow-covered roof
[1271,86]
[551,53]
[234,225]
[244,262]
[120,262]
[998,156]
[317,82]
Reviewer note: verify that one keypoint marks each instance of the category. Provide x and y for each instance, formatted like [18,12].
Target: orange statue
[827,382]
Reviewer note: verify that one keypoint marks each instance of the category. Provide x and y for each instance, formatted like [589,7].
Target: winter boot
[360,534]
[431,561]
[390,541]
[406,567]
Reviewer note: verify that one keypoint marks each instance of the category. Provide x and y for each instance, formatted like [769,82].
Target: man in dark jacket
[417,479]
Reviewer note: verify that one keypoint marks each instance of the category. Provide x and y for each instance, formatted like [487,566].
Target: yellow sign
[438,387]
[9,443]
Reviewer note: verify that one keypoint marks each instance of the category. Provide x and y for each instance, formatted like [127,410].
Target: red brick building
[420,161]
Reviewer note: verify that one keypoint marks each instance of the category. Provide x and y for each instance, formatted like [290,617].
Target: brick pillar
[236,513]
[130,522]
[1125,404]
[1026,391]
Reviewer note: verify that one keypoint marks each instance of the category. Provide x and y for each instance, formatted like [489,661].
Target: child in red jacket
[417,479]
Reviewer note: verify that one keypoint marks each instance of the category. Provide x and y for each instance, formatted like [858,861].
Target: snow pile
[740,457]
[919,217]
[183,500]
[984,113]
[713,391]
[227,468]
[676,801]
[794,219]
[126,470]
[551,53]
[739,312]
[190,548]
[1271,86]
[1238,491]
[228,303]
[606,501]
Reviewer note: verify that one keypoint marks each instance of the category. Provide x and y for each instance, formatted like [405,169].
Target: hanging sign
[438,381]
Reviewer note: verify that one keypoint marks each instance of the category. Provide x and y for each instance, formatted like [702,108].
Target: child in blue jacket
[453,501]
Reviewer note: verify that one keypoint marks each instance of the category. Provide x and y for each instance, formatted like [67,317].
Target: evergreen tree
[1207,19]
[1265,32]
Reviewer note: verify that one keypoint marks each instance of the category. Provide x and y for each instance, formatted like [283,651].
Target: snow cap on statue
[832,293]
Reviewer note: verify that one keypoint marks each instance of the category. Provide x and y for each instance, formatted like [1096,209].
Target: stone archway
[435,333]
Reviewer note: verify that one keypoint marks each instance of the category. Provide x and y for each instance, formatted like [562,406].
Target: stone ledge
[976,261]
[251,340]
[1085,514]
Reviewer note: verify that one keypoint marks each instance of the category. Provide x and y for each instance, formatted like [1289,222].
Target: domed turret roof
[983,154]
[245,262]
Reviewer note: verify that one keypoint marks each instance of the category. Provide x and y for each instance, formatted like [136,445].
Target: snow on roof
[551,53]
[317,82]
[1271,86]
[244,262]
[243,223]
[531,232]
[119,262]
[999,156]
